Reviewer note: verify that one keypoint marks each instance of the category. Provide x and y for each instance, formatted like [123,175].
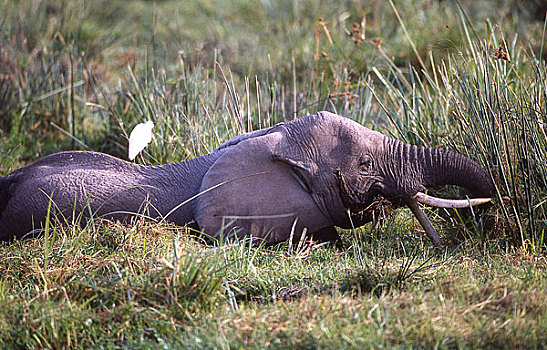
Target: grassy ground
[145,286]
[79,75]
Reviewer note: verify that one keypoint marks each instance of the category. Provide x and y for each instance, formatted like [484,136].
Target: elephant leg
[327,234]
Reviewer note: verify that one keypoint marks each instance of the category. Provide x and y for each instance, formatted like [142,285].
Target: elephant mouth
[360,199]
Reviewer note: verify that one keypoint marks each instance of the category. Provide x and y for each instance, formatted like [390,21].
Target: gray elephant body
[96,184]
[263,198]
[269,184]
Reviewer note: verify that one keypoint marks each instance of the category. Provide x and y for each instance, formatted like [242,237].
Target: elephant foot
[327,234]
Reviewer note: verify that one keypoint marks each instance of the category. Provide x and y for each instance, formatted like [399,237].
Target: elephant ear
[304,168]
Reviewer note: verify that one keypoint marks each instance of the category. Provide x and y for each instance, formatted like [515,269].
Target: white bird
[140,137]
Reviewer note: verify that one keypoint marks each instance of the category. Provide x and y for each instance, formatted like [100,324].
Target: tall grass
[60,57]
[490,109]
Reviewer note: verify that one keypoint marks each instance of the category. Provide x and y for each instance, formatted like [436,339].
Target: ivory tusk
[426,224]
[448,203]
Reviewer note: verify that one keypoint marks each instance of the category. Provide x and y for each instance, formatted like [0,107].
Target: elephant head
[345,166]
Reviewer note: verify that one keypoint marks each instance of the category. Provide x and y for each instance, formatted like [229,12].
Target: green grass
[79,75]
[145,285]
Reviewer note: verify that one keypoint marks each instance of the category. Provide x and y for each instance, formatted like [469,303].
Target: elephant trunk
[422,167]
[413,169]
[443,167]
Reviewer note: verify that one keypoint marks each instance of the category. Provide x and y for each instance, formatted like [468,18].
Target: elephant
[311,174]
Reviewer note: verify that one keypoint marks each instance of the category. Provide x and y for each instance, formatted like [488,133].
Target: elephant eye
[365,164]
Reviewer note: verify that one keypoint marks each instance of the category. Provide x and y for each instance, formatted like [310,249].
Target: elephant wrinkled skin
[307,174]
